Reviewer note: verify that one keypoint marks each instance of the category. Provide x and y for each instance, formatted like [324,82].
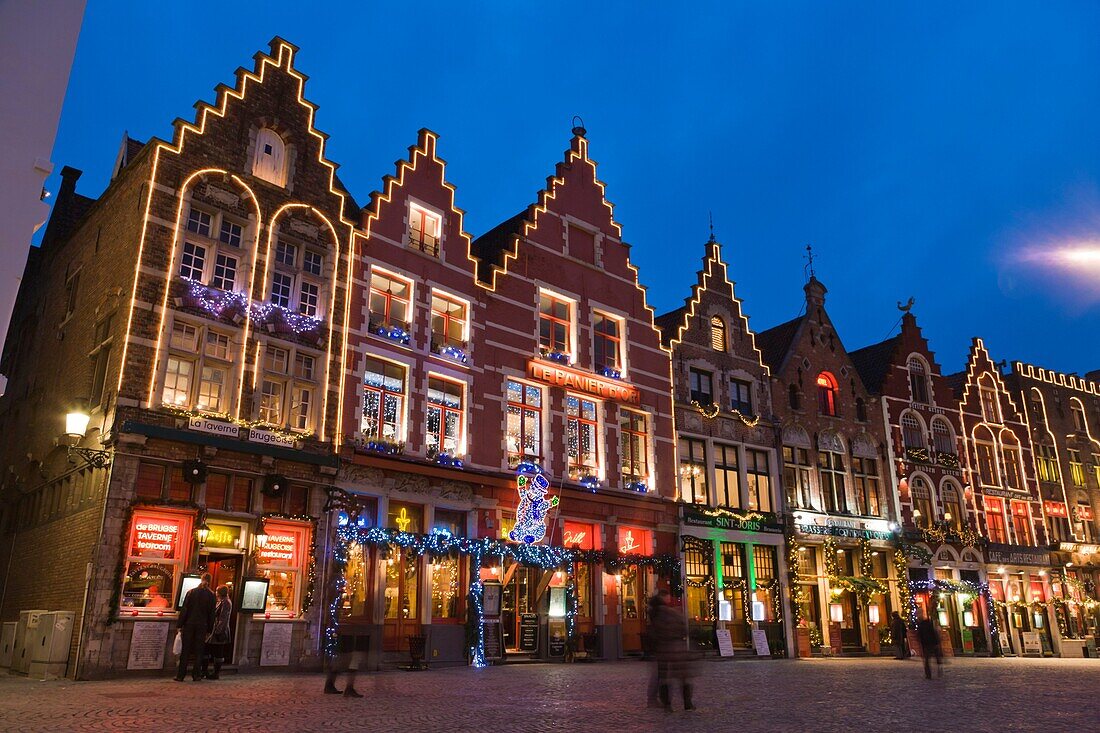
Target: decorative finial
[809,262]
[578,126]
[908,306]
[711,214]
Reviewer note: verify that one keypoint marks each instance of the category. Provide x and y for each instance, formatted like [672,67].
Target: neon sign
[532,484]
[575,379]
[155,537]
[628,544]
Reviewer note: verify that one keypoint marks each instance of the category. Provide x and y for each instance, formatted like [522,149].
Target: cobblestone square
[821,695]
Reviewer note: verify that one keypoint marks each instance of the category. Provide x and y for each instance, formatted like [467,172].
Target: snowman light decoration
[532,485]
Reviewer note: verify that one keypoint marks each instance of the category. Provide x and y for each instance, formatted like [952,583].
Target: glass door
[225,570]
[634,607]
[401,615]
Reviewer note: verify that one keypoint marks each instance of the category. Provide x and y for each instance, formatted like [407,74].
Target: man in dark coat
[670,630]
[898,632]
[929,635]
[196,622]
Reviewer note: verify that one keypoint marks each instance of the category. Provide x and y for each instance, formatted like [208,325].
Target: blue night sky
[949,154]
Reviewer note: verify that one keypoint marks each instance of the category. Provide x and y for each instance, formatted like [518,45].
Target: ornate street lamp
[76,427]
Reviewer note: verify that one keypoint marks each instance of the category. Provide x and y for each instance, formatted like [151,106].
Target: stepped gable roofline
[1087,384]
[874,362]
[978,352]
[424,150]
[494,246]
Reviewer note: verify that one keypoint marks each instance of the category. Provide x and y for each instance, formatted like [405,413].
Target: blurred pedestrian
[351,653]
[673,661]
[649,648]
[929,635]
[196,622]
[219,643]
[898,633]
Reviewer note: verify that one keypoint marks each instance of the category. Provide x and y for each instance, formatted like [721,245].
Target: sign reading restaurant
[749,521]
[561,376]
[860,529]
[1016,555]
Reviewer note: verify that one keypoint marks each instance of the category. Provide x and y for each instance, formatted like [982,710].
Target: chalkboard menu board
[494,640]
[529,632]
[556,631]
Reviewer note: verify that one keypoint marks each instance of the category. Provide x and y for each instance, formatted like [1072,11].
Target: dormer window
[269,160]
[718,334]
[918,380]
[424,227]
[826,393]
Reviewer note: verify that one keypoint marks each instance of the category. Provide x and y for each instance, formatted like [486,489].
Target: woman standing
[219,644]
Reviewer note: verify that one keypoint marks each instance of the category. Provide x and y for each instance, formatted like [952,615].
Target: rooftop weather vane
[711,214]
[809,262]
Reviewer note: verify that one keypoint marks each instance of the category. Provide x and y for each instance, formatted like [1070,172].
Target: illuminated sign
[216,427]
[743,521]
[223,535]
[634,541]
[577,535]
[608,389]
[1055,509]
[155,536]
[532,484]
[283,544]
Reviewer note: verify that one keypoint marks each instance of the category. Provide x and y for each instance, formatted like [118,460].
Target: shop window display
[157,549]
[282,561]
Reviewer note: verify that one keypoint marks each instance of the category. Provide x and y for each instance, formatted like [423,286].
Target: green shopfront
[735,579]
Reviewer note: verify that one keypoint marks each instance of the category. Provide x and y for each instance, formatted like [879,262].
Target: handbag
[177,645]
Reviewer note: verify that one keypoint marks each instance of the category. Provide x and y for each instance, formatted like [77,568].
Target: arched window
[987,456]
[1010,451]
[269,158]
[923,511]
[826,393]
[918,380]
[718,334]
[991,407]
[953,512]
[861,409]
[1078,412]
[794,397]
[1083,515]
[943,437]
[912,432]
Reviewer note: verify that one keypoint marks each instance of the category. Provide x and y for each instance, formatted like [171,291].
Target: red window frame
[826,393]
[389,298]
[612,343]
[419,237]
[577,469]
[1021,523]
[448,319]
[545,315]
[445,410]
[997,530]
[637,441]
[524,407]
[383,393]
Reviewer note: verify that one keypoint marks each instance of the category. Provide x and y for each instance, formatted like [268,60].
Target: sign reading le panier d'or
[602,387]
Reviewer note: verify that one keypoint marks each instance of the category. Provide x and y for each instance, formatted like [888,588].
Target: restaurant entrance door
[635,597]
[402,610]
[225,569]
[520,597]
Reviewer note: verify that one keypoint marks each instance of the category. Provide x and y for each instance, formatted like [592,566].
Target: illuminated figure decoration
[532,485]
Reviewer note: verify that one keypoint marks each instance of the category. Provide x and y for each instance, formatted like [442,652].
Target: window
[995,519]
[276,359]
[446,416]
[943,438]
[702,390]
[269,157]
[72,287]
[555,324]
[384,392]
[718,340]
[230,233]
[912,433]
[155,556]
[199,222]
[448,322]
[424,229]
[198,356]
[101,356]
[918,381]
[797,477]
[271,401]
[178,377]
[301,407]
[991,409]
[741,396]
[606,342]
[861,409]
[826,394]
[281,287]
[286,253]
[983,446]
[1084,517]
[390,301]
[1076,468]
[288,398]
[693,470]
[866,484]
[758,480]
[634,448]
[193,262]
[225,272]
[304,365]
[1057,522]
[727,477]
[1011,453]
[309,296]
[1021,523]
[831,473]
[524,424]
[923,513]
[313,263]
[794,398]
[953,512]
[581,431]
[1078,412]
[282,562]
[1047,461]
[212,389]
[217,345]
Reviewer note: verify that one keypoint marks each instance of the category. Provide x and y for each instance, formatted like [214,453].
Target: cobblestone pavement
[822,695]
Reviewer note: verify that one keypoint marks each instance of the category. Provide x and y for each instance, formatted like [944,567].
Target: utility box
[7,643]
[21,649]
[50,652]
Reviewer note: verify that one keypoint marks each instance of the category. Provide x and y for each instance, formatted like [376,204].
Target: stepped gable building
[1004,496]
[189,322]
[574,378]
[921,414]
[1063,412]
[833,447]
[731,531]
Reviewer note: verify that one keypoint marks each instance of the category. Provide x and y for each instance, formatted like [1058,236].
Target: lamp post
[202,532]
[76,427]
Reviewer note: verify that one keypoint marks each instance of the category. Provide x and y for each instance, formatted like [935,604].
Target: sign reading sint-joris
[532,485]
[748,521]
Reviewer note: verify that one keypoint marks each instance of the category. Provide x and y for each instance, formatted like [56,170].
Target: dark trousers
[665,672]
[194,643]
[903,651]
[929,653]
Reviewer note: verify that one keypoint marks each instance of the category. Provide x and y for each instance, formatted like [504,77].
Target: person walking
[219,643]
[898,633]
[649,648]
[669,628]
[196,622]
[929,635]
